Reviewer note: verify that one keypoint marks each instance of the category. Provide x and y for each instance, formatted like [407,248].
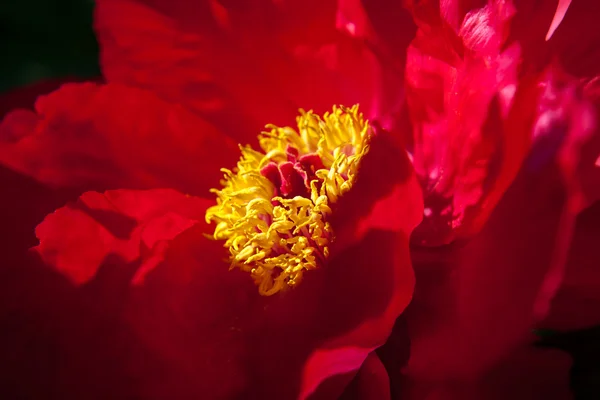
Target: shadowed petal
[217,327]
[135,225]
[478,301]
[525,374]
[577,303]
[370,383]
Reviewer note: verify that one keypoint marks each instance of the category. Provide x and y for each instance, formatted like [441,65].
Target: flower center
[274,208]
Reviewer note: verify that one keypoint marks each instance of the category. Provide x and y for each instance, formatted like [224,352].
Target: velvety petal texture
[241,64]
[98,136]
[206,328]
[498,108]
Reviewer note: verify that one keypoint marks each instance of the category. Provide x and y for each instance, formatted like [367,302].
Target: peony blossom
[283,280]
[271,269]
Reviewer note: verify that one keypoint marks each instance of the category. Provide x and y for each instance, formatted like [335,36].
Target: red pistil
[293,177]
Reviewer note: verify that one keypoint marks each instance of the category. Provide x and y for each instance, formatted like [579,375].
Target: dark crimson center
[293,177]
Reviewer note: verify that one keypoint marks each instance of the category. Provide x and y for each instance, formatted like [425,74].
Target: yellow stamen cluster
[276,239]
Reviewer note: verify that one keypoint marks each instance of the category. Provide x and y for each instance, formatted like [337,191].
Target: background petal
[477,301]
[577,303]
[575,40]
[25,97]
[528,373]
[110,136]
[370,383]
[241,65]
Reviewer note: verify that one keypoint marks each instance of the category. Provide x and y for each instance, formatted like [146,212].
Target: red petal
[65,340]
[390,200]
[479,301]
[575,41]
[370,383]
[23,205]
[388,24]
[460,93]
[577,303]
[387,28]
[290,53]
[133,225]
[474,306]
[218,338]
[24,97]
[107,136]
[527,373]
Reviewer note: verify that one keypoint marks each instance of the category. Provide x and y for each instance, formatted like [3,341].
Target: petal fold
[134,225]
[101,137]
[460,89]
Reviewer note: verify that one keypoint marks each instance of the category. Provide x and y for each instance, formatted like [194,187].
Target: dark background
[50,39]
[43,39]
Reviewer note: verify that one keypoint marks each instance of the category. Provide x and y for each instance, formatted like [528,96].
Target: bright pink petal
[477,301]
[107,136]
[460,93]
[449,12]
[561,10]
[133,225]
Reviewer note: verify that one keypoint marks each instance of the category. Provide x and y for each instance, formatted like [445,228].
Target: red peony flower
[304,265]
[498,112]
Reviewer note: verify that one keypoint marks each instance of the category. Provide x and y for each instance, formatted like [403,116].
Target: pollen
[275,206]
